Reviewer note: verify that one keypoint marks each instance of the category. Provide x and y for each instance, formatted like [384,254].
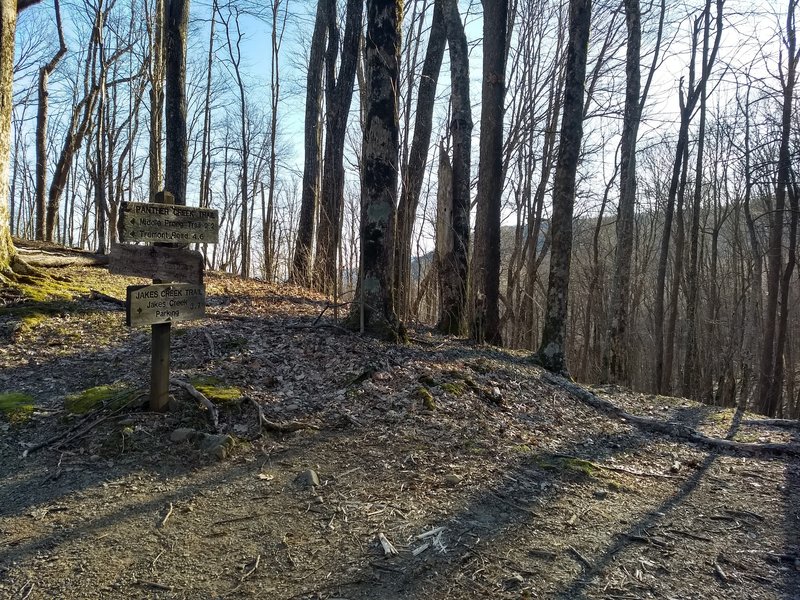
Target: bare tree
[486,258]
[551,354]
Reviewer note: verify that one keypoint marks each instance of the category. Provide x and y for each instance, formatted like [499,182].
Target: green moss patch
[427,398]
[16,407]
[573,465]
[456,388]
[113,396]
[215,389]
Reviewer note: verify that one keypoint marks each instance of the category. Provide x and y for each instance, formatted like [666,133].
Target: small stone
[307,478]
[600,494]
[319,499]
[182,434]
[514,581]
[452,479]
[676,466]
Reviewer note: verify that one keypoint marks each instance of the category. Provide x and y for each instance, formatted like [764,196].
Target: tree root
[213,412]
[276,427]
[677,430]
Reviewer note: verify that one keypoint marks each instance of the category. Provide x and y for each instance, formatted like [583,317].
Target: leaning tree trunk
[486,259]
[373,308]
[552,351]
[300,273]
[455,266]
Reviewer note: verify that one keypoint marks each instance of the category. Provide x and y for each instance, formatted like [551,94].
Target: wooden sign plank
[164,303]
[156,262]
[166,223]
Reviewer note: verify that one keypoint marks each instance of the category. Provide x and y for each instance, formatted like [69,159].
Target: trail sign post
[164,303]
[159,305]
[167,223]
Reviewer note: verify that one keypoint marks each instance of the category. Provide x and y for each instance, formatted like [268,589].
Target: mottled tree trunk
[340,95]
[486,258]
[8,25]
[301,265]
[552,352]
[373,307]
[455,266]
[176,162]
[414,172]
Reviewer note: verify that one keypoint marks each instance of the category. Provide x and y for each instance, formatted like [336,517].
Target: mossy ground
[16,407]
[215,389]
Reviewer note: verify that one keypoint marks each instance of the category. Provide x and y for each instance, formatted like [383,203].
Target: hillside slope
[431,470]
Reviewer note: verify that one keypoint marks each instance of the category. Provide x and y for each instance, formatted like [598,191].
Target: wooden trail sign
[157,262]
[164,303]
[168,223]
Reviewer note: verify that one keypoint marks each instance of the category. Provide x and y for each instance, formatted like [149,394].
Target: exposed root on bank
[671,428]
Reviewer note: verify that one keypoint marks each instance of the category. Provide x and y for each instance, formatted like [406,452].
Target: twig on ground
[388,547]
[155,585]
[585,562]
[213,413]
[97,295]
[166,518]
[275,427]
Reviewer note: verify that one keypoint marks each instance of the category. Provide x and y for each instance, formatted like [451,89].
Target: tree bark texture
[374,302]
[486,258]
[552,352]
[329,233]
[156,98]
[413,175]
[8,25]
[301,264]
[615,359]
[455,267]
[176,162]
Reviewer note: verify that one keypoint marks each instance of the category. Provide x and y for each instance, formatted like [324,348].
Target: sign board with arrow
[167,223]
[164,303]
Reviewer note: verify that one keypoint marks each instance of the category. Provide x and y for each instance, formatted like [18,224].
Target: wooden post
[160,334]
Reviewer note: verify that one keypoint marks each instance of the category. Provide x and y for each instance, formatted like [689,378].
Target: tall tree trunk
[769,386]
[373,308]
[329,234]
[155,181]
[301,267]
[455,267]
[176,163]
[486,259]
[615,359]
[205,147]
[552,351]
[41,128]
[414,173]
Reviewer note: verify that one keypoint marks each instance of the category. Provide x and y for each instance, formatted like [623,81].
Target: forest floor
[441,470]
